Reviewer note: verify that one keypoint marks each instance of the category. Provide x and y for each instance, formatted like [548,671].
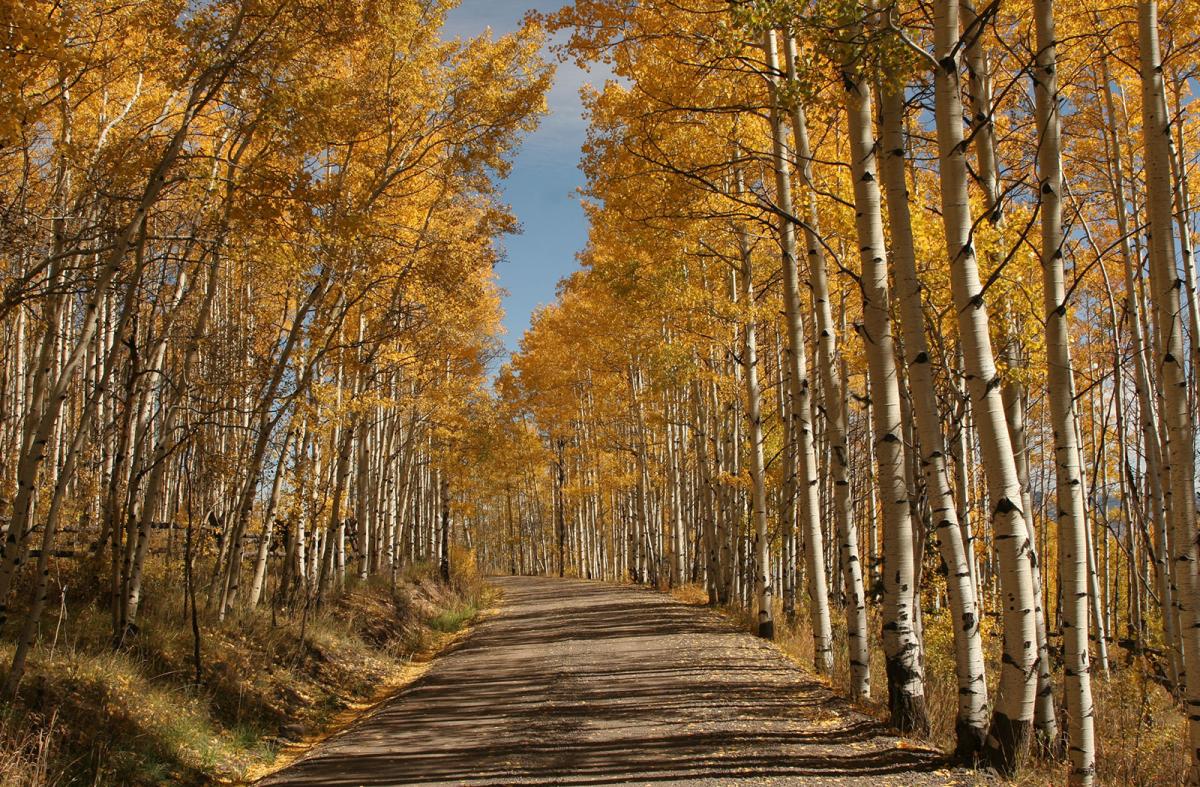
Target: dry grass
[1140,734]
[25,754]
[87,714]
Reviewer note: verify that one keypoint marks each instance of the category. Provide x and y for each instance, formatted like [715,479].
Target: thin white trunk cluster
[195,389]
[1012,717]
[901,645]
[971,722]
[799,383]
[834,406]
[1069,503]
[1166,287]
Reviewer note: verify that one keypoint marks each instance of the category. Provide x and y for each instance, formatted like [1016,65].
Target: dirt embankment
[89,715]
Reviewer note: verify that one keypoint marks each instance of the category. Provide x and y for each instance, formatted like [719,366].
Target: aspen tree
[906,689]
[1012,718]
[264,544]
[1072,524]
[798,379]
[1013,392]
[828,368]
[1179,466]
[971,721]
[763,586]
[1148,420]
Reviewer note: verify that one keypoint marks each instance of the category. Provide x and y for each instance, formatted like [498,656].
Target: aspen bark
[42,420]
[1013,714]
[979,89]
[763,586]
[1014,396]
[829,368]
[787,492]
[264,544]
[1180,465]
[971,720]
[1072,522]
[1148,422]
[807,482]
[906,680]
[444,511]
[1183,214]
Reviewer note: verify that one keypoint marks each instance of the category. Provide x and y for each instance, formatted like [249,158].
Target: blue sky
[541,188]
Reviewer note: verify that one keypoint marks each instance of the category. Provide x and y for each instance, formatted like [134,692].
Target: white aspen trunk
[267,415]
[43,420]
[172,408]
[786,503]
[407,491]
[1096,591]
[1183,213]
[979,89]
[307,514]
[875,558]
[1135,622]
[972,718]
[1180,467]
[829,367]
[382,495]
[802,431]
[361,494]
[29,631]
[1013,716]
[674,481]
[1148,423]
[906,681]
[763,586]
[960,450]
[159,456]
[1014,397]
[327,568]
[708,510]
[264,544]
[444,529]
[1072,523]
[721,460]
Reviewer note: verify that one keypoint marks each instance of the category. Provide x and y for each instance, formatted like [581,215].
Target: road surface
[583,683]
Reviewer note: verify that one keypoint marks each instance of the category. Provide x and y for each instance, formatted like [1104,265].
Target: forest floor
[574,682]
[270,686]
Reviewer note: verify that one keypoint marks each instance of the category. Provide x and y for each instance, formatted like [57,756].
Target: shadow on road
[583,683]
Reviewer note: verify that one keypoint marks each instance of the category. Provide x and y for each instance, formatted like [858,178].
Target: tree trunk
[1072,523]
[763,586]
[971,720]
[801,409]
[1180,467]
[906,681]
[264,544]
[444,508]
[1008,735]
[1148,423]
[1014,397]
[828,366]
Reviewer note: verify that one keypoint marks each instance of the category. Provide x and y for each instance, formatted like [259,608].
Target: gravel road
[583,683]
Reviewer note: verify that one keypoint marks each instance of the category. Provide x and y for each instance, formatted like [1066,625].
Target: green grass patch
[453,620]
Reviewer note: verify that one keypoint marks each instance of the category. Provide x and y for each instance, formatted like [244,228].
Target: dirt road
[585,683]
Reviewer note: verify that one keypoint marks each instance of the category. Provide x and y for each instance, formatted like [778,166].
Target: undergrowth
[88,714]
[453,620]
